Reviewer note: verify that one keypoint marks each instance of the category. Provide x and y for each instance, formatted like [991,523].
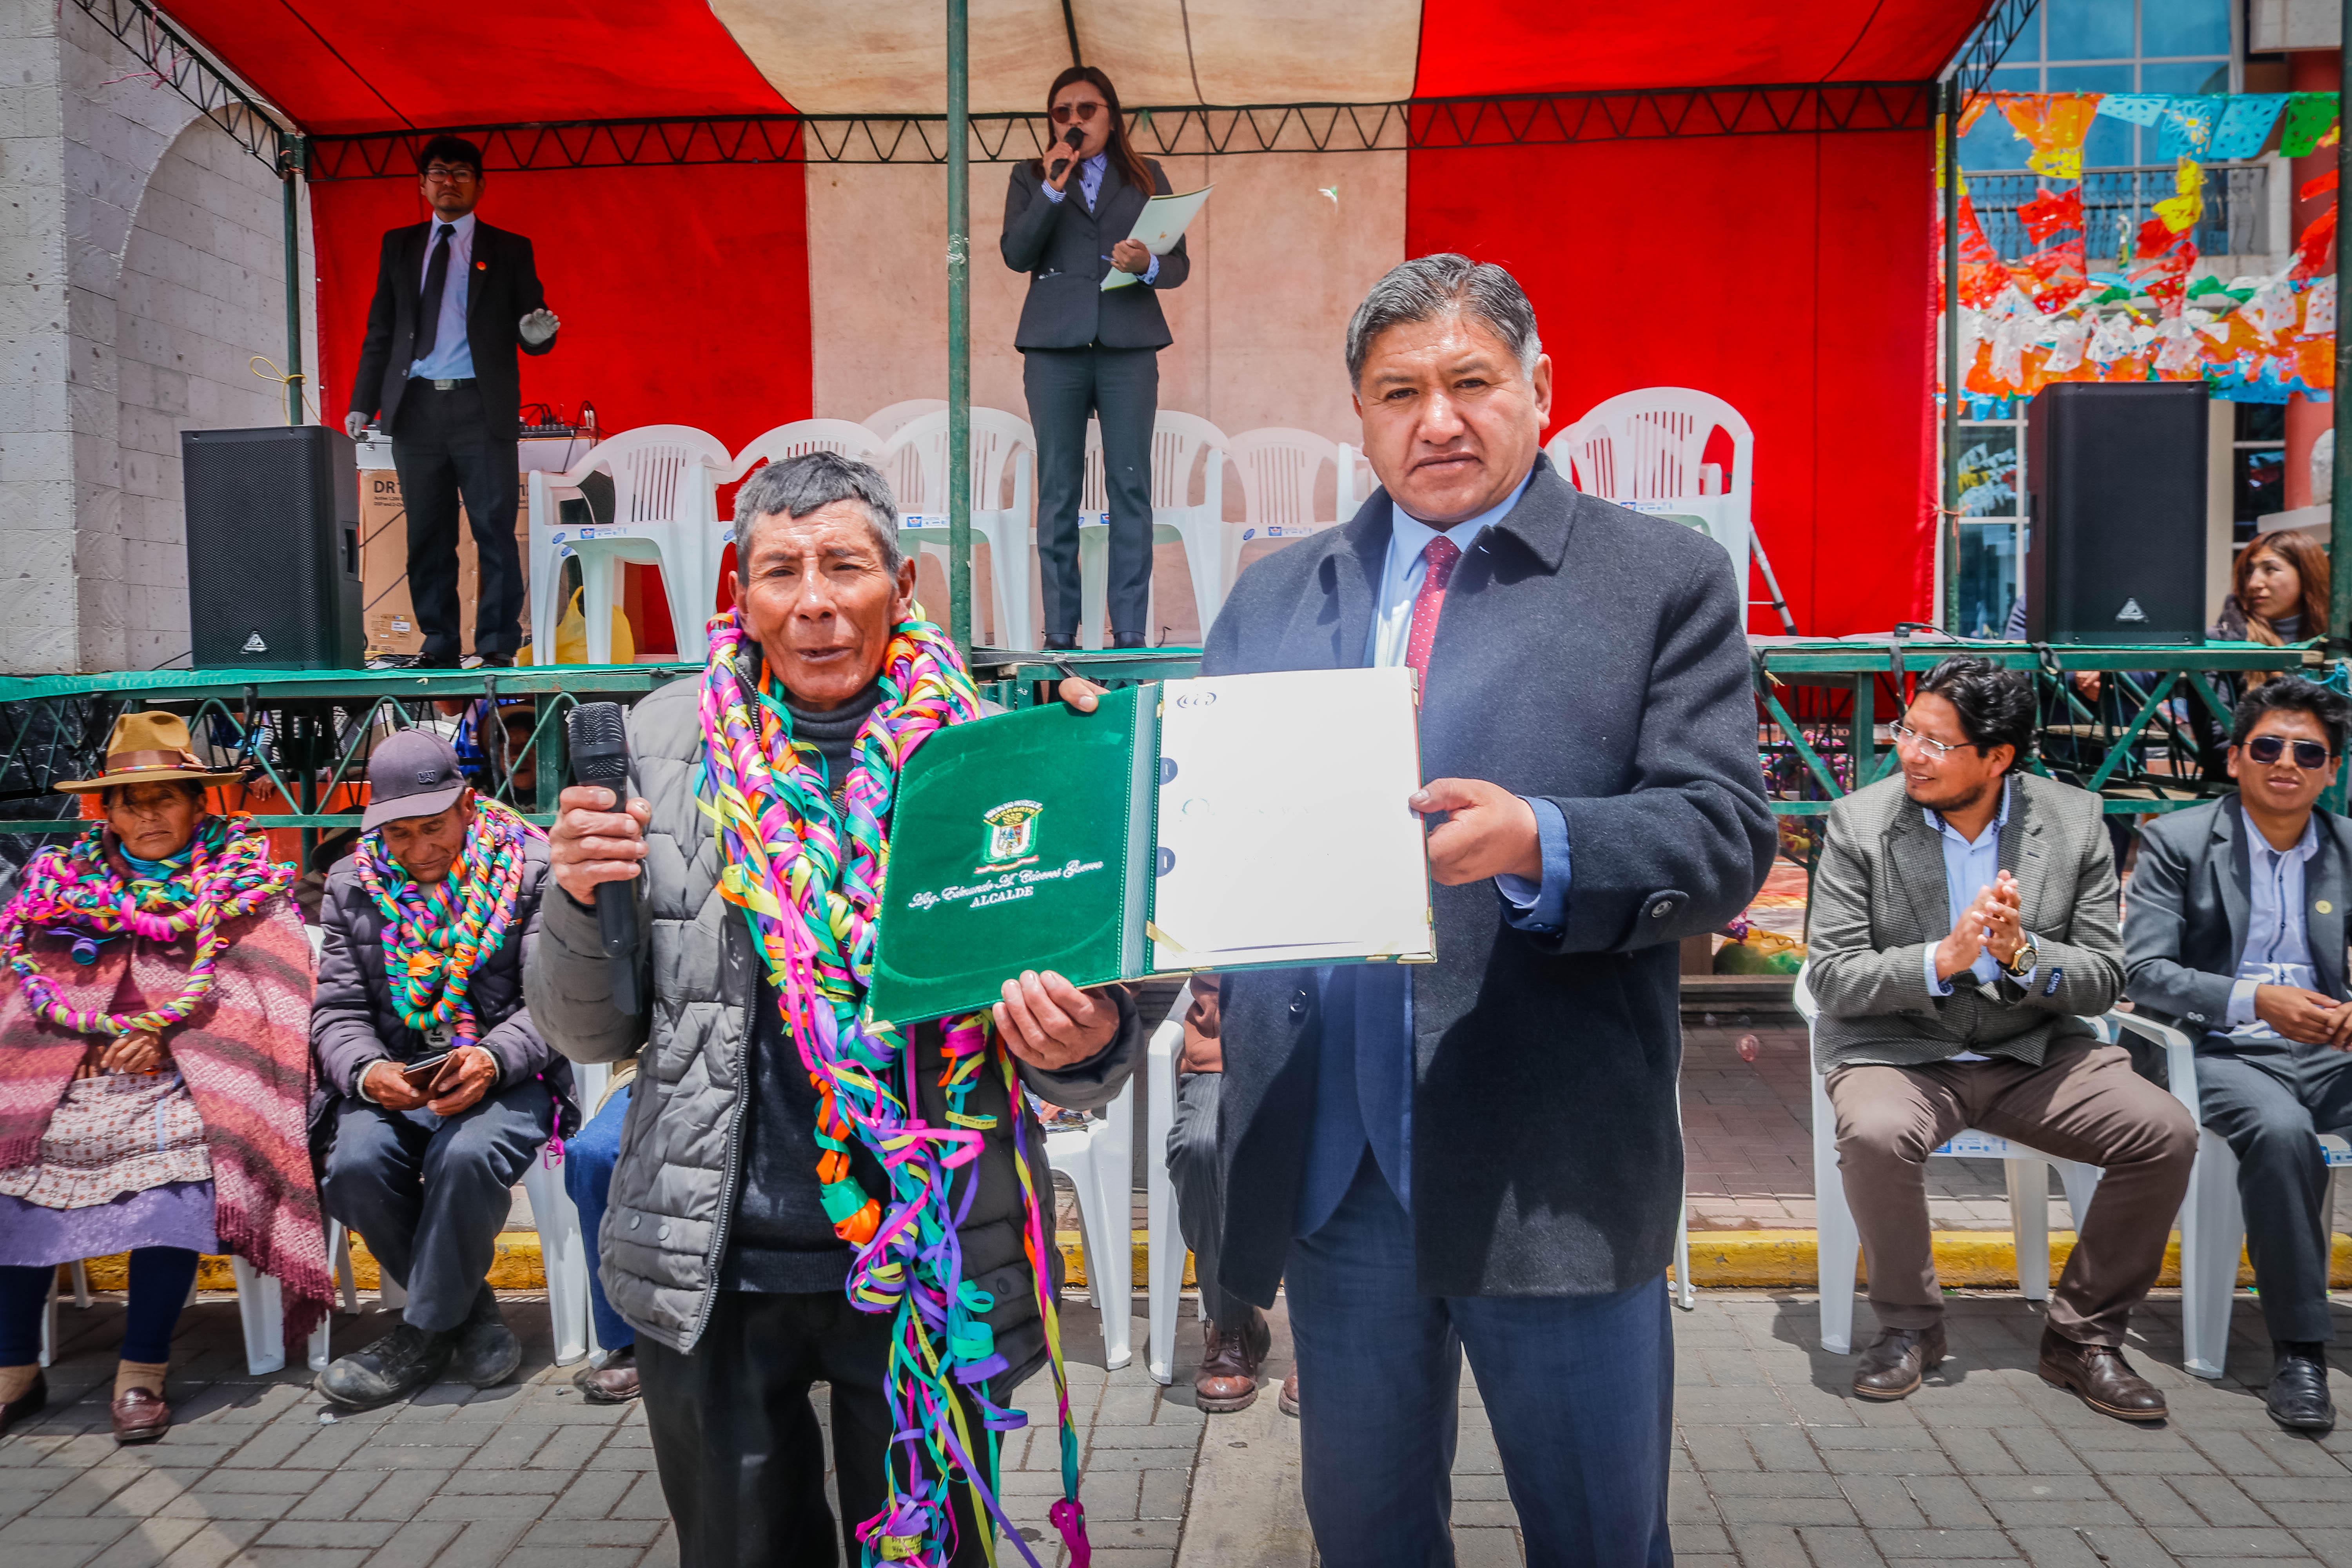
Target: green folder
[1263,818]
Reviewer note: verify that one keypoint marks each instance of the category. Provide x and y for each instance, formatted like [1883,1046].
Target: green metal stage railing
[2139,738]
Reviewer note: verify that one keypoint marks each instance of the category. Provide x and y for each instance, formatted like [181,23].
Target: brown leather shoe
[25,1405]
[1289,1398]
[1227,1379]
[2100,1375]
[611,1378]
[1892,1368]
[140,1417]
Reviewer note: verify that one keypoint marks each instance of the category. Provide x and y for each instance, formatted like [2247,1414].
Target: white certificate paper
[1160,226]
[1284,833]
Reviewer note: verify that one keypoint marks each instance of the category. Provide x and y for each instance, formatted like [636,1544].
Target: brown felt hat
[150,748]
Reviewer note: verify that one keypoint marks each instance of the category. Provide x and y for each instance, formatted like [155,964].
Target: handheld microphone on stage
[599,755]
[1073,139]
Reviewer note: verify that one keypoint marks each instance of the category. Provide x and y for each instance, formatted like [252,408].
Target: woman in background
[2278,591]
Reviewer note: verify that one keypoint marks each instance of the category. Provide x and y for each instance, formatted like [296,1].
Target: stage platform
[1823,707]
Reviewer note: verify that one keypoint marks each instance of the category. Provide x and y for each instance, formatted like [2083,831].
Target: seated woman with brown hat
[154,1068]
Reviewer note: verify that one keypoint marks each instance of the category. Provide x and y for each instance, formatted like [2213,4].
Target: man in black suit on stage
[454,300]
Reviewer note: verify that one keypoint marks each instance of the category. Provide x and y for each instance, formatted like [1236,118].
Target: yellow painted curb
[1725,1260]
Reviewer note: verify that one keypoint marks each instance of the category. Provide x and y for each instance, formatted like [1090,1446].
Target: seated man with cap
[427,926]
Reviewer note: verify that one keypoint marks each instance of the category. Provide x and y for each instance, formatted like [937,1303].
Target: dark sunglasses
[1062,113]
[2308,754]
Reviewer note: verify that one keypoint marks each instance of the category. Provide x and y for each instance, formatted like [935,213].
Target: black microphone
[1073,139]
[599,755]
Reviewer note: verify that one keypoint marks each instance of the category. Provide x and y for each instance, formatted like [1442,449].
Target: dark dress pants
[431,1194]
[1121,388]
[442,448]
[2269,1099]
[1580,1390]
[742,1459]
[1199,1182]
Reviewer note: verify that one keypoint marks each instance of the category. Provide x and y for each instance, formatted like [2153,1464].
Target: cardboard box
[388,613]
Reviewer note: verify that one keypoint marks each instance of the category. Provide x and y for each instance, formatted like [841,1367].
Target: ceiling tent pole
[2339,551]
[959,326]
[1948,534]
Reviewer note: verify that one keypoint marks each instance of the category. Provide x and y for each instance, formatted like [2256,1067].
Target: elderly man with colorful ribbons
[153,1067]
[805,1193]
[436,1089]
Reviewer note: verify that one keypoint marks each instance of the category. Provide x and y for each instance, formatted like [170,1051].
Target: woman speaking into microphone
[1090,350]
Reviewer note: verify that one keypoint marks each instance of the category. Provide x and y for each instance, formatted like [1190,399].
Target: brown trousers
[2082,1103]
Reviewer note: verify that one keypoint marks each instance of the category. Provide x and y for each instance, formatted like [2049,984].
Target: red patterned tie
[1438,558]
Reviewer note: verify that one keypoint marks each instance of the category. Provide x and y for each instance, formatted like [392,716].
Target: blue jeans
[588,1161]
[1580,1390]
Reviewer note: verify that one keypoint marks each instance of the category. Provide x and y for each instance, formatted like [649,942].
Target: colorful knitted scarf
[809,880]
[76,888]
[433,936]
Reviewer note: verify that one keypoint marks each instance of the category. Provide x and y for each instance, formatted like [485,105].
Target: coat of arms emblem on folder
[1011,834]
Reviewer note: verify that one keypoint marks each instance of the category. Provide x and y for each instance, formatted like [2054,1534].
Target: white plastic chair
[887,421]
[1176,440]
[915,462]
[1646,450]
[1840,1243]
[664,507]
[2213,1215]
[1164,1242]
[1099,1161]
[800,437]
[1278,469]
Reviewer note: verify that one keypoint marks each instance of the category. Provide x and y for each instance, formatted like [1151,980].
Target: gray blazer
[1879,903]
[1062,247]
[2188,902]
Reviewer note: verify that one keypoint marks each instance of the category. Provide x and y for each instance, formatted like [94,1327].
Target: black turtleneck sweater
[782,1241]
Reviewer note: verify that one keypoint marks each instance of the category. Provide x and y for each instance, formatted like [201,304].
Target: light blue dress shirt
[2278,946]
[1967,867]
[452,358]
[1090,177]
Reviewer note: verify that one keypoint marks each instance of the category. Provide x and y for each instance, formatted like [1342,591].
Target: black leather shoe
[399,1364]
[1061,642]
[1892,1368]
[486,1352]
[25,1405]
[2297,1398]
[1127,639]
[2100,1375]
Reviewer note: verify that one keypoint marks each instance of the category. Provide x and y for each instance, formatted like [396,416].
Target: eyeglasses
[2308,754]
[1934,748]
[461,175]
[1065,112]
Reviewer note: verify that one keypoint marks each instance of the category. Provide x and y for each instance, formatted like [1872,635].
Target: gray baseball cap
[411,773]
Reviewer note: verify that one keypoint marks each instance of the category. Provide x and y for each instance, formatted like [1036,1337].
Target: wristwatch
[2028,955]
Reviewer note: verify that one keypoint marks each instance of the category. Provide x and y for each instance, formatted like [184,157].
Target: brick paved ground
[1776,1466]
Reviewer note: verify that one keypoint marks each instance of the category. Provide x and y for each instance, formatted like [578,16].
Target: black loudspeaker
[273,548]
[2116,512]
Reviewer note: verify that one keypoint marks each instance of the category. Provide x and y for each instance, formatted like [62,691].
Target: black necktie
[428,304]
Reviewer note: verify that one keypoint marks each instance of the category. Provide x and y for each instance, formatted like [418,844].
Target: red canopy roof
[344,70]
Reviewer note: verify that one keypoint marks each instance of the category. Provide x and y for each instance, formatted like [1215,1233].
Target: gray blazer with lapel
[2187,931]
[1062,247]
[1593,657]
[1879,902]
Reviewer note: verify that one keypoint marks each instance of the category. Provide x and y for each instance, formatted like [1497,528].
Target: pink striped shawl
[246,1054]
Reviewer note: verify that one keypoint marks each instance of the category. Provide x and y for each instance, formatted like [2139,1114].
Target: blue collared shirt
[2278,943]
[1967,867]
[452,358]
[1090,178]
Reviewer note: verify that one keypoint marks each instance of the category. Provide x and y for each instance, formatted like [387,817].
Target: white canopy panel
[827,57]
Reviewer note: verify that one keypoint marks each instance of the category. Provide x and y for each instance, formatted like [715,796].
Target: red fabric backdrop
[683,290]
[1783,274]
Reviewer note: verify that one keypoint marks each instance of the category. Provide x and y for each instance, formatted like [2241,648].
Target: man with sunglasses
[2236,933]
[455,300]
[1963,925]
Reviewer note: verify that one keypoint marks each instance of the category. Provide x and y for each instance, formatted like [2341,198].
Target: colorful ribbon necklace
[809,883]
[75,888]
[433,936]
